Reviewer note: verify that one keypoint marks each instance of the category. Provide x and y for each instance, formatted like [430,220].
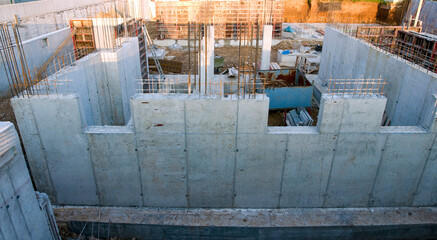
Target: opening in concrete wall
[290,94]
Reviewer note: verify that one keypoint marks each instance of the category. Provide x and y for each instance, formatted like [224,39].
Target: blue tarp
[289,29]
[289,97]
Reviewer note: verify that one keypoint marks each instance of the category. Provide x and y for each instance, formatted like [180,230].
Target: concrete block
[330,115]
[115,164]
[60,129]
[163,169]
[400,169]
[211,116]
[362,115]
[426,194]
[253,115]
[259,155]
[156,114]
[353,172]
[307,168]
[211,159]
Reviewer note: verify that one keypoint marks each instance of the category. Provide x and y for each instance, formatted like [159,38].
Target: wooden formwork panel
[418,48]
[83,39]
[382,36]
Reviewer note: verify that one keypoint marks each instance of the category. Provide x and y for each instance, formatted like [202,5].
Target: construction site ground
[230,54]
[6,113]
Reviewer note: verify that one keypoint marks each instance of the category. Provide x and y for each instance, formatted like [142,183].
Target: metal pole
[419,8]
[189,58]
[124,18]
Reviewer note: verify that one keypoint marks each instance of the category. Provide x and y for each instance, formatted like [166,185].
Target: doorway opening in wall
[291,99]
[294,117]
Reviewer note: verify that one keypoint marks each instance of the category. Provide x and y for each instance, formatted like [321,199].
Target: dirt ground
[66,233]
[277,118]
[322,11]
[230,55]
[6,112]
[344,11]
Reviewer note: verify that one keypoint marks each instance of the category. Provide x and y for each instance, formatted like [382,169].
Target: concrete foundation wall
[37,51]
[45,16]
[105,80]
[410,88]
[186,151]
[20,214]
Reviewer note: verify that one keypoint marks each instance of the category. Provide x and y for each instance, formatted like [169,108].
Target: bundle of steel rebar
[14,60]
[248,29]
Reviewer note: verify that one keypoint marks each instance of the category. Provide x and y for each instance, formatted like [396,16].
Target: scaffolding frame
[173,16]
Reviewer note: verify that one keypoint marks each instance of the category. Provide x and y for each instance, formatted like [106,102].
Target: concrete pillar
[267,47]
[209,53]
[419,8]
[103,29]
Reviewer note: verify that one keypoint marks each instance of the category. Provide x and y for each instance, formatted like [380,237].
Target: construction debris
[299,117]
[232,72]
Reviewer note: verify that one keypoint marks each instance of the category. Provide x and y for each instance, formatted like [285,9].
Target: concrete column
[209,53]
[267,47]
[419,8]
[103,28]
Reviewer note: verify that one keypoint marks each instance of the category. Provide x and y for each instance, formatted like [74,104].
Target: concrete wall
[37,51]
[3,2]
[105,80]
[20,214]
[410,88]
[41,7]
[186,151]
[44,16]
